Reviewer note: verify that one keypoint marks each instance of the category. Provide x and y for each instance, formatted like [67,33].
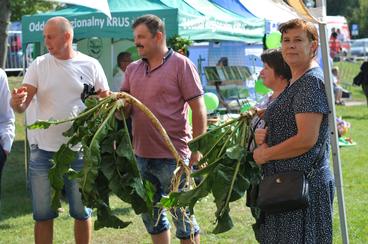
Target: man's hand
[103,94]
[195,157]
[18,98]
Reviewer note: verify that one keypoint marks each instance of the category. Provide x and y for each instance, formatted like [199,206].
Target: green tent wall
[197,20]
[104,38]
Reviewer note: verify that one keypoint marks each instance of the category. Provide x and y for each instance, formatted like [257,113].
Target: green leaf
[189,198]
[224,223]
[241,185]
[106,219]
[221,181]
[92,154]
[91,102]
[167,202]
[43,124]
[150,190]
[108,166]
[72,174]
[124,148]
[139,196]
[110,221]
[236,152]
[62,160]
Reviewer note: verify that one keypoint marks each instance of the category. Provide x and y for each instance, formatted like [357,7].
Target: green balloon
[211,101]
[261,88]
[134,54]
[246,106]
[273,40]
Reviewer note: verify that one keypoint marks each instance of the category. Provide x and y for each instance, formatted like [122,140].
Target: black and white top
[313,224]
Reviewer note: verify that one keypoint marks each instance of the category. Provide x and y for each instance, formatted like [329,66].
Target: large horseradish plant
[110,166]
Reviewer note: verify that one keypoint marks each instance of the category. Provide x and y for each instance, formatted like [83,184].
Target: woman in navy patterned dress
[297,129]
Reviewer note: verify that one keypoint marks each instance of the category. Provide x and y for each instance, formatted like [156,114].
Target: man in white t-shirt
[57,79]
[7,121]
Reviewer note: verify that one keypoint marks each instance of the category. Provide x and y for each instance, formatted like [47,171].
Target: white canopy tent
[279,11]
[101,5]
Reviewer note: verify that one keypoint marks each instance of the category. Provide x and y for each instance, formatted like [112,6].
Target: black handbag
[286,191]
[283,192]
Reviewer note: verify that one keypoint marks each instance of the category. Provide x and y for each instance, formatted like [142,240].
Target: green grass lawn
[16,223]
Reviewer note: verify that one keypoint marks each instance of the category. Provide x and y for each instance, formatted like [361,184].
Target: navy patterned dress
[314,224]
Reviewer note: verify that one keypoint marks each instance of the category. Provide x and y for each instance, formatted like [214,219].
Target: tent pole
[112,55]
[333,131]
[26,152]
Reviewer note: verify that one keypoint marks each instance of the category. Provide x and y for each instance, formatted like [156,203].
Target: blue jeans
[39,166]
[2,163]
[159,172]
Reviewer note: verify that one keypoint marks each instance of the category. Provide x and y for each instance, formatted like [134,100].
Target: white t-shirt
[59,86]
[7,127]
[118,81]
[31,117]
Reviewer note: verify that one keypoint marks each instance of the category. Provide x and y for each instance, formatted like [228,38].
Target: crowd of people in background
[336,41]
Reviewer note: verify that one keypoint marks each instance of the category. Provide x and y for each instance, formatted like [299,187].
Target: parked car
[359,47]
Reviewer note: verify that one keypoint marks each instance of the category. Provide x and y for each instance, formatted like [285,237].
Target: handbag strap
[252,137]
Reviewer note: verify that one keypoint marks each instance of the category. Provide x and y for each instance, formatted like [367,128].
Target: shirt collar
[164,59]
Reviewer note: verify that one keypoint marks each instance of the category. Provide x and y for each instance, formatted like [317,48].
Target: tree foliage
[13,11]
[355,12]
[362,18]
[4,20]
[19,8]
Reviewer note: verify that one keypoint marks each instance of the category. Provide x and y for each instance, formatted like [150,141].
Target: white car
[359,47]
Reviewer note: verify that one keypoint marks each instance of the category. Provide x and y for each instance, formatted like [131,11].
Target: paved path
[354,102]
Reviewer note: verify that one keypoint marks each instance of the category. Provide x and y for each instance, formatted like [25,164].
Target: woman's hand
[260,136]
[259,154]
[261,112]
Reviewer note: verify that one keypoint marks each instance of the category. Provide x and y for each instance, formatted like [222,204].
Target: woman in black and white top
[275,75]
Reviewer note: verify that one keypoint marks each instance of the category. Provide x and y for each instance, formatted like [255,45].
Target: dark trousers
[365,90]
[2,163]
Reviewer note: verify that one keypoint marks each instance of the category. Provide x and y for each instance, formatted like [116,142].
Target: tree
[338,7]
[14,10]
[4,22]
[24,7]
[362,18]
[355,12]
